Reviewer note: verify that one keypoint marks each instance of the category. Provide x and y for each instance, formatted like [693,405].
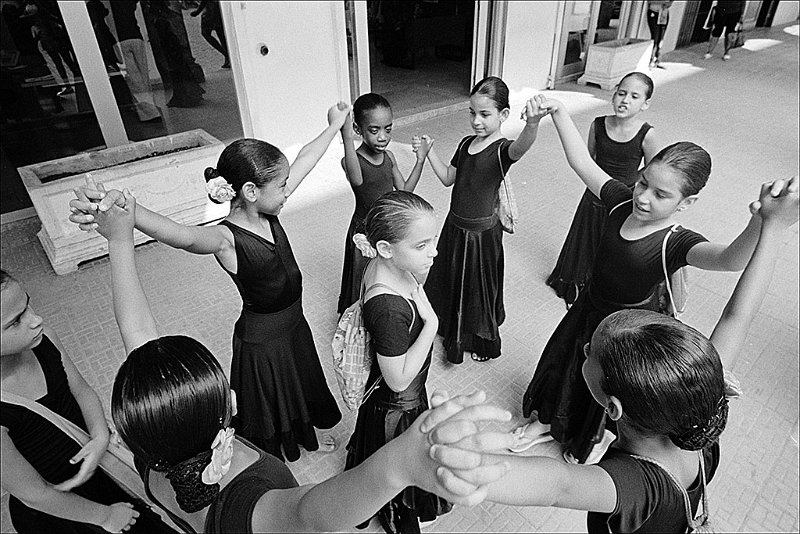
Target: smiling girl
[372,171]
[627,271]
[466,286]
[275,370]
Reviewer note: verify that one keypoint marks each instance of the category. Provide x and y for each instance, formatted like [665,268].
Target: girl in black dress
[54,483]
[663,383]
[401,230]
[372,171]
[283,394]
[466,285]
[626,275]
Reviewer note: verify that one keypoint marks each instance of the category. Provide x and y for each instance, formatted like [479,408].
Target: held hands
[421,145]
[455,422]
[347,128]
[90,454]
[88,200]
[778,202]
[119,518]
[338,114]
[534,111]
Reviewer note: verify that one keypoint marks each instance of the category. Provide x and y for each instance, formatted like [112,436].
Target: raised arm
[400,183]
[731,257]
[778,207]
[350,163]
[311,153]
[577,154]
[532,115]
[445,173]
[134,318]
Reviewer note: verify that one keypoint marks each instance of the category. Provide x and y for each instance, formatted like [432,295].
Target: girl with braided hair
[662,382]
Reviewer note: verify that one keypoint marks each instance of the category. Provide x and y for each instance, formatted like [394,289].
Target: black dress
[465,284]
[377,181]
[625,276]
[276,373]
[49,450]
[620,161]
[386,414]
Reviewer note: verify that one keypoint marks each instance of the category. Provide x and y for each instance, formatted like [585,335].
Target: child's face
[485,118]
[376,132]
[416,251]
[272,195]
[21,328]
[630,98]
[657,194]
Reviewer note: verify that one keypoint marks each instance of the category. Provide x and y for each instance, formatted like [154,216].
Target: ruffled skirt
[281,390]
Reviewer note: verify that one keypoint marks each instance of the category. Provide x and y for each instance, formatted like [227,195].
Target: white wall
[530,30]
[787,12]
[284,95]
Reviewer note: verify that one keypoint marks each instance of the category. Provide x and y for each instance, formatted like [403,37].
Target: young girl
[54,483]
[401,235]
[372,171]
[173,406]
[662,382]
[627,271]
[282,390]
[617,143]
[466,286]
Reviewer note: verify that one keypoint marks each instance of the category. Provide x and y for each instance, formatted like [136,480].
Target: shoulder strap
[64,425]
[500,162]
[664,267]
[619,205]
[179,522]
[461,145]
[379,284]
[693,522]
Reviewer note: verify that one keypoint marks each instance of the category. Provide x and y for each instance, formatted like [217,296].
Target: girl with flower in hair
[663,383]
[401,239]
[173,407]
[283,394]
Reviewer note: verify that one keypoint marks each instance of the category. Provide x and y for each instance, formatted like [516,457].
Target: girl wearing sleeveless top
[283,394]
[618,143]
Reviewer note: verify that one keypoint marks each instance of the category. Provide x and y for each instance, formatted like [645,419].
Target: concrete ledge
[609,61]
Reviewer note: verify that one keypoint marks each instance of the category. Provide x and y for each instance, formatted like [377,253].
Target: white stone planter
[170,183]
[609,61]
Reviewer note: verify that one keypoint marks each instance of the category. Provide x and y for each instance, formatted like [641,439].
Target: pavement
[743,111]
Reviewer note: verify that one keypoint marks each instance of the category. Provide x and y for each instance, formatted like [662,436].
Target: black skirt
[558,391]
[353,268]
[574,266]
[281,390]
[384,416]
[465,286]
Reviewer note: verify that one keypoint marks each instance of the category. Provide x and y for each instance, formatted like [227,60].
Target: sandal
[327,443]
[478,358]
[523,442]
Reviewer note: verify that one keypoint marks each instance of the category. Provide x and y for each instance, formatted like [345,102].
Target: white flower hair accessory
[221,455]
[363,244]
[220,190]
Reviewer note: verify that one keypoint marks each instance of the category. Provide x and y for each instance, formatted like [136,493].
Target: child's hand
[424,307]
[778,202]
[454,418]
[90,454]
[338,113]
[534,110]
[116,223]
[347,128]
[119,518]
[421,145]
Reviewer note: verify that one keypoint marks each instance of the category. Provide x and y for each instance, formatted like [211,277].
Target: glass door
[574,41]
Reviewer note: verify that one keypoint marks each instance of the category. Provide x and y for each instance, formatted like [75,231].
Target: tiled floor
[744,111]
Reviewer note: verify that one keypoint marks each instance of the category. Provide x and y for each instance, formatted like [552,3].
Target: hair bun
[191,493]
[211,173]
[700,437]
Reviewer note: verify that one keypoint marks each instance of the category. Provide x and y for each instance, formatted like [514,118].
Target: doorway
[419,53]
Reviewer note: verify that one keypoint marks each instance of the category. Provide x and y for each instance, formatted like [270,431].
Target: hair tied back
[211,173]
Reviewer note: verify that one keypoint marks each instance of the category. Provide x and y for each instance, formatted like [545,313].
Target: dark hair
[248,160]
[691,161]
[667,375]
[366,103]
[392,214]
[642,77]
[170,399]
[494,89]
